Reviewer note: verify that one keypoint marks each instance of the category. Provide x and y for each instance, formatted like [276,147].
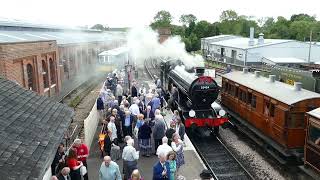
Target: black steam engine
[193,94]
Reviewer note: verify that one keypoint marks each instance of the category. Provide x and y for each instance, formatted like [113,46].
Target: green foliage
[100,27]
[298,27]
[186,19]
[162,19]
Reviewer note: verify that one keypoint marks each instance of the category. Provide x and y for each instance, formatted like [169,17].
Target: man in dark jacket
[58,158]
[161,170]
[158,132]
[64,174]
[170,132]
[134,91]
[149,115]
[107,143]
[180,128]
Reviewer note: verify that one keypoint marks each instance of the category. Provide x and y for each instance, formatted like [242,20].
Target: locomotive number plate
[204,87]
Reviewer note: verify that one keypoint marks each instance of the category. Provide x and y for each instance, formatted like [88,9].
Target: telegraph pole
[310,47]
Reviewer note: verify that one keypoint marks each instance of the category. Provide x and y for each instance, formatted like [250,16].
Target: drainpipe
[245,58]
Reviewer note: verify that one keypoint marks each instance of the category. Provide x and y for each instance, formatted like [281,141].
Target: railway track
[219,159]
[151,68]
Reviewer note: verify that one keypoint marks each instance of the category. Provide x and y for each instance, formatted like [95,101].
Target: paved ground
[190,170]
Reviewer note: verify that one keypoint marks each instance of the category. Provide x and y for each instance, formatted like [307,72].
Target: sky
[132,13]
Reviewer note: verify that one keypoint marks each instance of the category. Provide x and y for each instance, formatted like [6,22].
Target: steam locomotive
[193,94]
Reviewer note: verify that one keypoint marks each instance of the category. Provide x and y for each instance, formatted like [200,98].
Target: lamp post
[128,70]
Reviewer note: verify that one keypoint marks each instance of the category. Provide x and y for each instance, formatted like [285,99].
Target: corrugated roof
[61,37]
[277,90]
[242,43]
[31,129]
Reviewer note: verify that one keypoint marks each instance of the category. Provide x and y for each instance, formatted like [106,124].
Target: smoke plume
[143,44]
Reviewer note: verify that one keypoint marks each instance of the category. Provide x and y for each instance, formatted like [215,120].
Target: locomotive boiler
[193,93]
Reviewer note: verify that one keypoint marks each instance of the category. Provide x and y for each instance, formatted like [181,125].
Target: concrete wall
[48,174]
[90,125]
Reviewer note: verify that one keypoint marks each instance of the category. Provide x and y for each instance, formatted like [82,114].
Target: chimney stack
[251,41]
[261,39]
[257,74]
[297,86]
[245,70]
[200,71]
[272,78]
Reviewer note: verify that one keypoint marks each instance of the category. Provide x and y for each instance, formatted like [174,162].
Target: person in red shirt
[82,154]
[74,165]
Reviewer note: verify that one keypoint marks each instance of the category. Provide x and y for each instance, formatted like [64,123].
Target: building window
[31,84]
[52,71]
[45,74]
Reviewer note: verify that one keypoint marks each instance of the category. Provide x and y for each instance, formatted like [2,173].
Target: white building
[248,51]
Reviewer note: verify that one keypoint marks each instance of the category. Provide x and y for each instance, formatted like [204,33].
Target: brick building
[41,58]
[164,34]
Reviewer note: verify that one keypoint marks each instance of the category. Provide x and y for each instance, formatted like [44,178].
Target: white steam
[143,44]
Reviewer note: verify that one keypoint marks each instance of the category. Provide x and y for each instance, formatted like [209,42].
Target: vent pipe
[257,74]
[245,70]
[272,78]
[251,41]
[297,86]
[261,39]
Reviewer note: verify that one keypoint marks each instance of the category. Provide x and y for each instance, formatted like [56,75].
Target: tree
[186,19]
[99,27]
[302,17]
[162,19]
[228,15]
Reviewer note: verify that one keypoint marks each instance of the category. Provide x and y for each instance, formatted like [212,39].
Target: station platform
[190,170]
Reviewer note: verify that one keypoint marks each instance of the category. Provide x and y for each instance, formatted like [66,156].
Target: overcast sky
[129,13]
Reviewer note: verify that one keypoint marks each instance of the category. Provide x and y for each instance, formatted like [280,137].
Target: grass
[75,102]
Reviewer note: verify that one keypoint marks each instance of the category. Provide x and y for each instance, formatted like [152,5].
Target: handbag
[83,170]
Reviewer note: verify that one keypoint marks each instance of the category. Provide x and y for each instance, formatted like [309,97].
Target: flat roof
[315,113]
[114,52]
[31,129]
[243,43]
[277,90]
[61,37]
[283,60]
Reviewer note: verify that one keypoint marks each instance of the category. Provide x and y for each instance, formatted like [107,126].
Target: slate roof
[277,90]
[31,127]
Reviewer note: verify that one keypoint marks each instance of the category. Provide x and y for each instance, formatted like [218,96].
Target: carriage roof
[277,90]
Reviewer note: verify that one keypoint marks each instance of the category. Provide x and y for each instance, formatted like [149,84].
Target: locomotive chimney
[200,71]
[257,74]
[272,78]
[297,86]
[245,70]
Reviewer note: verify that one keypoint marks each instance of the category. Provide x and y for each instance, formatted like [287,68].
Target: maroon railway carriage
[272,111]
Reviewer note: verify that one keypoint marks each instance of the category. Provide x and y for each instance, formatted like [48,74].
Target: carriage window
[236,92]
[266,111]
[254,101]
[296,120]
[314,134]
[272,108]
[243,96]
[249,98]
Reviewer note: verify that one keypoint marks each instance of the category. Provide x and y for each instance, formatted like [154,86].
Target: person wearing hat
[206,175]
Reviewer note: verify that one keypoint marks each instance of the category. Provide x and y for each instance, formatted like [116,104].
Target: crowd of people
[130,116]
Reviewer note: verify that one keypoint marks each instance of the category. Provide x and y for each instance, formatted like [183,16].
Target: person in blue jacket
[161,170]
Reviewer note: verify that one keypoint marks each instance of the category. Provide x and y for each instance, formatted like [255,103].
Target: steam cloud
[143,44]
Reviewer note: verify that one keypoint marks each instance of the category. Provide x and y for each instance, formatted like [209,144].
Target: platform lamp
[128,70]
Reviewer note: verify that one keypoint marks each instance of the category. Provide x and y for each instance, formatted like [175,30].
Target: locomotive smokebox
[200,71]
